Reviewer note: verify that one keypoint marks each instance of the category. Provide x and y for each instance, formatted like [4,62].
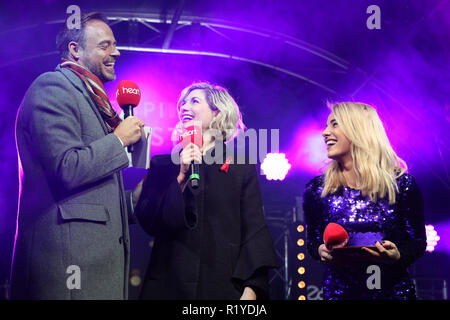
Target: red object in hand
[335,236]
[192,134]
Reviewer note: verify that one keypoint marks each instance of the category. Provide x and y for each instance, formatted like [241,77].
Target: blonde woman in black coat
[213,242]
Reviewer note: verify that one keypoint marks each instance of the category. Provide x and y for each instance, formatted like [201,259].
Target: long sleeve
[410,236]
[52,123]
[162,204]
[314,220]
[256,253]
[132,219]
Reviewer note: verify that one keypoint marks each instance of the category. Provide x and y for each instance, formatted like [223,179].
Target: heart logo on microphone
[128,93]
[192,134]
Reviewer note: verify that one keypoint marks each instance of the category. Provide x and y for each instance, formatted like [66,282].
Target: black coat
[209,243]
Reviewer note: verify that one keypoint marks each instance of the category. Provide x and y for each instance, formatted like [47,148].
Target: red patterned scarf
[97,92]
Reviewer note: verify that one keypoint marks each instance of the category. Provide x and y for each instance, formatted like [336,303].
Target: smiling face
[99,52]
[338,145]
[194,108]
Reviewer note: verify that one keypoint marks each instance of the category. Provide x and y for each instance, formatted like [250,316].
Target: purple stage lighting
[275,166]
[160,90]
[308,152]
[432,237]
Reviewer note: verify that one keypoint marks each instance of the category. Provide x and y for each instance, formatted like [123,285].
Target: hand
[387,252]
[248,294]
[325,255]
[129,130]
[189,154]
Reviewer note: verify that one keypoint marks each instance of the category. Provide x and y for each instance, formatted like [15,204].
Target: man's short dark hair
[65,35]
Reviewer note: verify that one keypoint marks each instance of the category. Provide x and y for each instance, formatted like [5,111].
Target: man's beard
[96,69]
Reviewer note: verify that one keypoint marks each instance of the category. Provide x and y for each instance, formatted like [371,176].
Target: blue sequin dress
[401,223]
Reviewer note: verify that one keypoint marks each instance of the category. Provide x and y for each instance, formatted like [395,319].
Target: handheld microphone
[335,236]
[128,96]
[193,134]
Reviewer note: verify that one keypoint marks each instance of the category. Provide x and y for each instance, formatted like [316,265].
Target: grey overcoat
[72,238]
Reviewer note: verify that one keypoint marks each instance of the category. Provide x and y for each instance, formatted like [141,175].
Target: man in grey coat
[72,238]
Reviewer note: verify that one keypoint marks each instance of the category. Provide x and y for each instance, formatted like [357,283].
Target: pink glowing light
[432,237]
[160,91]
[275,166]
[308,151]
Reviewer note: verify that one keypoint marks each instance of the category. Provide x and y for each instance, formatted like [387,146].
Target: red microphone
[193,134]
[335,236]
[128,96]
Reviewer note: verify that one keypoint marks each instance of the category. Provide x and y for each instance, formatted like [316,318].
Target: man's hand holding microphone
[129,130]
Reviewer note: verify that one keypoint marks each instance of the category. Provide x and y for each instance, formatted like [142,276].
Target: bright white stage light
[432,237]
[275,166]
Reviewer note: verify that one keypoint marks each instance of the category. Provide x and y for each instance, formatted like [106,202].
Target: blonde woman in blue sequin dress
[367,191]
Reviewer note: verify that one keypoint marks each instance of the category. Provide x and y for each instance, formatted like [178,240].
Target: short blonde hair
[374,161]
[228,120]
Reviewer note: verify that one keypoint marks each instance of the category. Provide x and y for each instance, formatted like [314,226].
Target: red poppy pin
[226,165]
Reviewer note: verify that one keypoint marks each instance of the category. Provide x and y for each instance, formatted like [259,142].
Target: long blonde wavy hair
[228,120]
[374,161]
